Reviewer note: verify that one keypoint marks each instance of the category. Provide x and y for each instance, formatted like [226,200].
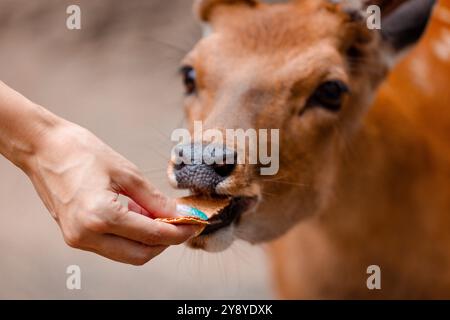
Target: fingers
[140,228]
[111,230]
[135,186]
[124,250]
[133,206]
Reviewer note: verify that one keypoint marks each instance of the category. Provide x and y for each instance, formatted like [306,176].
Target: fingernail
[188,211]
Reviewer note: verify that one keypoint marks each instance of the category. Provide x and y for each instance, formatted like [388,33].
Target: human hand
[79,179]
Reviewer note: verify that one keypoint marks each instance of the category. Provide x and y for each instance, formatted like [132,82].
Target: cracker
[184,220]
[209,206]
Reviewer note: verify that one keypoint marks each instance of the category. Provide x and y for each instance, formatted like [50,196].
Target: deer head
[309,68]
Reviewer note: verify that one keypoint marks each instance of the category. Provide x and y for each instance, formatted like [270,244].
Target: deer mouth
[229,214]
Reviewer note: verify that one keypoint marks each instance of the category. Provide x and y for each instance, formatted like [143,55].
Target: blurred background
[117,76]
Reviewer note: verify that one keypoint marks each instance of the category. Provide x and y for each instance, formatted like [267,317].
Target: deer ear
[404,21]
[204,8]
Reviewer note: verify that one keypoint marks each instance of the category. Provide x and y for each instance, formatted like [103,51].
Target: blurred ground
[118,77]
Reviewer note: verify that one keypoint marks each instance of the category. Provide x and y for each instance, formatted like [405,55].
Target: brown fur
[392,204]
[368,185]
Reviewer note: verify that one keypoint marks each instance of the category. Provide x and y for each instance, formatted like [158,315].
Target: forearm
[23,124]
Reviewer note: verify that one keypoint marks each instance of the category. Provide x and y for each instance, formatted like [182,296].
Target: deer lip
[229,214]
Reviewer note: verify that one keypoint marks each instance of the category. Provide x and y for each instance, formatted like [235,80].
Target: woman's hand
[79,179]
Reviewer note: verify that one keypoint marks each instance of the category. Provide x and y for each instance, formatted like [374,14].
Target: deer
[364,173]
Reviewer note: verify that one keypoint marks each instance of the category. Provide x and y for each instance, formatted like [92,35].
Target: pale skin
[79,179]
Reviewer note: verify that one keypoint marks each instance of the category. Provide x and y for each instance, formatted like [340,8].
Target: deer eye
[329,95]
[189,79]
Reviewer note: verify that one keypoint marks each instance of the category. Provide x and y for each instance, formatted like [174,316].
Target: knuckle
[160,199]
[136,262]
[115,217]
[162,202]
[73,239]
[101,215]
[179,240]
[96,225]
[141,259]
[155,236]
[93,206]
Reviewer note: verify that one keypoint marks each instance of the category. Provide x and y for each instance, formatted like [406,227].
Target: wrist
[35,137]
[26,128]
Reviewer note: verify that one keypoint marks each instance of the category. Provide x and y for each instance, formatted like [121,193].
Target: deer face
[308,68]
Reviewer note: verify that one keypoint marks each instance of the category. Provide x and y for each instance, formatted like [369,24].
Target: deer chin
[225,226]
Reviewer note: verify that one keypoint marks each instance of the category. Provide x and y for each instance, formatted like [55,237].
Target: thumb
[147,199]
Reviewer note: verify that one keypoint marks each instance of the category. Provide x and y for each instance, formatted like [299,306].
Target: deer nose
[201,167]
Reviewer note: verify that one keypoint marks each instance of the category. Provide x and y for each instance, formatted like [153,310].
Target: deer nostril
[224,170]
[179,166]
